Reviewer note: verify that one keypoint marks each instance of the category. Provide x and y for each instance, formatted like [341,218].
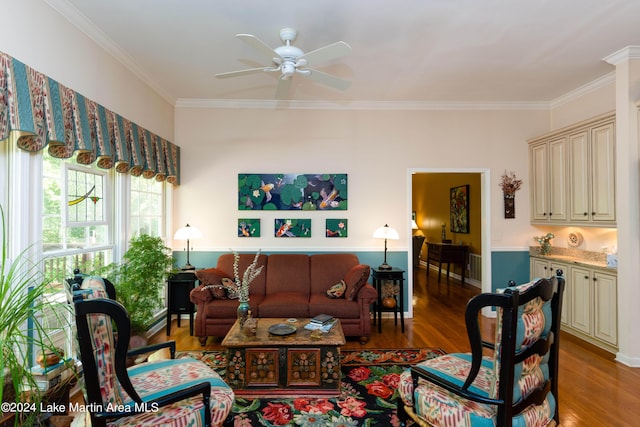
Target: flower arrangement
[545,244]
[249,275]
[509,183]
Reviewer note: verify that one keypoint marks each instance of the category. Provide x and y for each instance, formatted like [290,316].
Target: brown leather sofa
[290,285]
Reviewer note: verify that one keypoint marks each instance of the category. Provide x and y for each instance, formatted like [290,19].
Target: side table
[396,276]
[178,302]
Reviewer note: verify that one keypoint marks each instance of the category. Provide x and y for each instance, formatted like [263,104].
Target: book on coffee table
[325,327]
[322,319]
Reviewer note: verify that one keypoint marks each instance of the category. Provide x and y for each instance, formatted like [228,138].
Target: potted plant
[140,279]
[22,331]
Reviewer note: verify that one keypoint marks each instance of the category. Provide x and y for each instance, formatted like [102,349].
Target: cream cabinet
[572,175]
[589,304]
[548,170]
[545,268]
[592,175]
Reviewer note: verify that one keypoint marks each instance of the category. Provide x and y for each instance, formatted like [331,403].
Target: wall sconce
[385,233]
[187,233]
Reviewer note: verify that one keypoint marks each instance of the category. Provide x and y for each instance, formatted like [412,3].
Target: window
[147,207]
[76,226]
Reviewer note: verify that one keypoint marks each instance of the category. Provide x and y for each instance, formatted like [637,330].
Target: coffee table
[283,365]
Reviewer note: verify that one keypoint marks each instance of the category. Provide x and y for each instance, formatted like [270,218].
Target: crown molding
[624,54]
[583,90]
[267,104]
[73,15]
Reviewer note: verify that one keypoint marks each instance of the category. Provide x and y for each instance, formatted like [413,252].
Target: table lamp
[187,233]
[385,233]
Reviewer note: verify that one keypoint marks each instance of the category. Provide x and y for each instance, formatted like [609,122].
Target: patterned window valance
[37,112]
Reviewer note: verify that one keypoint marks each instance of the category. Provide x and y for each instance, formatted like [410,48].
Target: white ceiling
[404,51]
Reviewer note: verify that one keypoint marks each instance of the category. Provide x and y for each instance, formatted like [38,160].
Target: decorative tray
[282,329]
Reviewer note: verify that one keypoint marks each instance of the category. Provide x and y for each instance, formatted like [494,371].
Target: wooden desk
[447,253]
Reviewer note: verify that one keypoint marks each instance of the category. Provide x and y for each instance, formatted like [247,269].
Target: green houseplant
[140,278]
[23,297]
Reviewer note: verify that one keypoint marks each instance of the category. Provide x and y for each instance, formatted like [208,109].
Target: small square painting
[248,227]
[336,227]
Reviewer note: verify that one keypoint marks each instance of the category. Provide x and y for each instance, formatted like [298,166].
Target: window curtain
[37,112]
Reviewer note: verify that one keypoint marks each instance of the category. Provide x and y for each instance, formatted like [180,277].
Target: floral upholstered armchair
[516,385]
[173,392]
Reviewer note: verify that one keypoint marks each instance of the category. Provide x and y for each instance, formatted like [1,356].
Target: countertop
[594,260]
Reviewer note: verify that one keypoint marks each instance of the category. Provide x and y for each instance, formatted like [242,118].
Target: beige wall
[376,148]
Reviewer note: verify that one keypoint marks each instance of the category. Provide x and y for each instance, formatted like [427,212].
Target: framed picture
[299,192]
[459,209]
[336,227]
[248,227]
[292,227]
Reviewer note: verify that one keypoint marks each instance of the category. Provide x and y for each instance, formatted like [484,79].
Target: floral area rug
[368,392]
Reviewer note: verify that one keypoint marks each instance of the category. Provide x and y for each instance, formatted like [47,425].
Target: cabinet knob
[587,277]
[595,279]
[544,214]
[585,214]
[550,213]
[593,214]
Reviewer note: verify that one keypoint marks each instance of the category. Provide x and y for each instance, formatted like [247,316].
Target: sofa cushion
[337,290]
[340,308]
[211,278]
[230,288]
[285,304]
[288,273]
[325,270]
[355,279]
[228,309]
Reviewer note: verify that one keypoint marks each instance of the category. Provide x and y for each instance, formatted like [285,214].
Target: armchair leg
[203,340]
[363,340]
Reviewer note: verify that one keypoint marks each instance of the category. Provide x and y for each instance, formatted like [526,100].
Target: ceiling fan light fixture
[288,58]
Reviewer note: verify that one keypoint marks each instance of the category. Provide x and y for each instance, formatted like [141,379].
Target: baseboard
[633,362]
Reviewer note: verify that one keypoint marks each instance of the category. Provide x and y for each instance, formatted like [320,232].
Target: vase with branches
[242,285]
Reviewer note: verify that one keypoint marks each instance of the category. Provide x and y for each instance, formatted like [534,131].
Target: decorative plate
[282,329]
[574,239]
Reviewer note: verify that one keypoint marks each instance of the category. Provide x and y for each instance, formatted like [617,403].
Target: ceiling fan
[289,60]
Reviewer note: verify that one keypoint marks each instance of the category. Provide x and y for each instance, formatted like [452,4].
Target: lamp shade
[187,233]
[386,232]
[414,226]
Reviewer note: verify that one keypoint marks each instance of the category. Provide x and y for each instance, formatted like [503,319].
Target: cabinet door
[579,191]
[538,178]
[580,283]
[605,299]
[539,268]
[603,173]
[557,179]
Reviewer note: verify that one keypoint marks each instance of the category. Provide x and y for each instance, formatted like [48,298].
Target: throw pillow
[212,278]
[355,279]
[231,288]
[337,290]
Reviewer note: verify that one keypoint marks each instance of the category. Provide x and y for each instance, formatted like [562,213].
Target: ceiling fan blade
[327,53]
[259,45]
[283,88]
[244,72]
[328,79]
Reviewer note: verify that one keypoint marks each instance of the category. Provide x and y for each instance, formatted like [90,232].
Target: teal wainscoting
[507,266]
[210,259]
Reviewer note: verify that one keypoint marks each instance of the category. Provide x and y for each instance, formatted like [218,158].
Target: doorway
[483,223]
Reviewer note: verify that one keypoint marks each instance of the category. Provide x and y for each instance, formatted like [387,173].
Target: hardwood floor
[594,390]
